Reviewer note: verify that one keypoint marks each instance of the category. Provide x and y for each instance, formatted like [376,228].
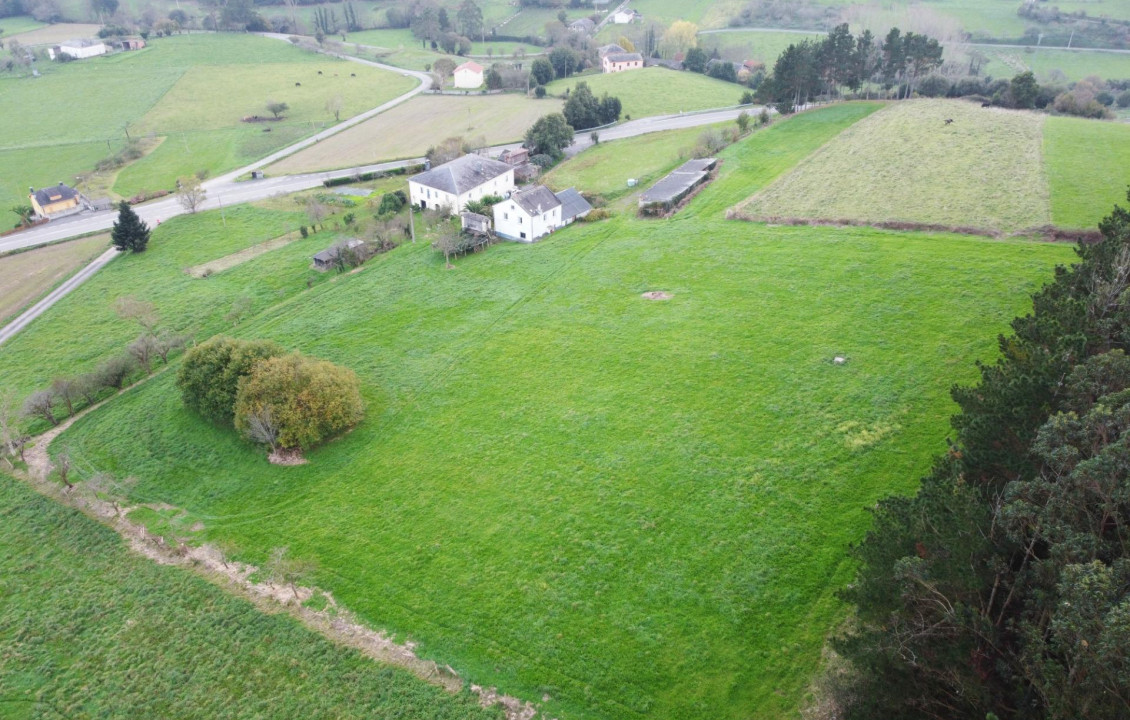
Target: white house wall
[511,221]
[431,198]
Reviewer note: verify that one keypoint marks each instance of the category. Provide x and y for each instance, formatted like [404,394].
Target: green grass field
[763,46]
[904,164]
[1046,64]
[194,89]
[639,509]
[20,24]
[605,169]
[1088,166]
[91,629]
[681,91]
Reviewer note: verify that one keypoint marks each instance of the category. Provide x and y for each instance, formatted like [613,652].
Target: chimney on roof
[61,184]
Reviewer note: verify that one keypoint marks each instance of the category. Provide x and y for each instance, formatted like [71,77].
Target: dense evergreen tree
[1003,587]
[129,232]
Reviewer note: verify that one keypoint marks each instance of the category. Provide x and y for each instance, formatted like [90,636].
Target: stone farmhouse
[449,187]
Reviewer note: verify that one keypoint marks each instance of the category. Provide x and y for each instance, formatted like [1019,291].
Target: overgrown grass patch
[25,276]
[1088,167]
[906,164]
[91,629]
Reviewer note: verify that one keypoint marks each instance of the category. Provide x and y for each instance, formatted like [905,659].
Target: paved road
[225,191]
[55,295]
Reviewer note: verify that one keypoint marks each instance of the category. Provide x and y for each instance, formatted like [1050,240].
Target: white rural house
[619,62]
[469,75]
[624,17]
[528,215]
[78,49]
[452,185]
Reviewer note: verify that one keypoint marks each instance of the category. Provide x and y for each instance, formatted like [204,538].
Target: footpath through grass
[1088,166]
[90,629]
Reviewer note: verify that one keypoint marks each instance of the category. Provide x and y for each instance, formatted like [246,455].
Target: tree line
[1002,588]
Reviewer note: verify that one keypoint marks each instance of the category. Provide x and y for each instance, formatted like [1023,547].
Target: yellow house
[55,201]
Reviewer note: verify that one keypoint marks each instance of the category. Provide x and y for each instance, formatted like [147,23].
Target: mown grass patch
[657,91]
[905,164]
[19,24]
[1088,167]
[409,129]
[28,275]
[91,629]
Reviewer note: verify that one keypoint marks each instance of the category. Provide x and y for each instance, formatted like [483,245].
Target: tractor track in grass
[334,623]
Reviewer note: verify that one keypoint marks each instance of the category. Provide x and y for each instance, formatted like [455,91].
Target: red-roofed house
[469,75]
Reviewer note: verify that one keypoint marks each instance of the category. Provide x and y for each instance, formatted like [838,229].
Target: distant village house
[614,58]
[78,49]
[452,185]
[469,75]
[328,258]
[56,201]
[624,17]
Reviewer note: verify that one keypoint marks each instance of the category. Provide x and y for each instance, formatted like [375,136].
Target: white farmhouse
[625,17]
[78,49]
[528,215]
[469,75]
[449,187]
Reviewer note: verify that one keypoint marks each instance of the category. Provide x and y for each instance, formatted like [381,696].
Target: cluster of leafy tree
[72,393]
[430,22]
[810,69]
[1002,589]
[454,147]
[279,399]
[1091,97]
[549,136]
[583,110]
[129,231]
[1052,26]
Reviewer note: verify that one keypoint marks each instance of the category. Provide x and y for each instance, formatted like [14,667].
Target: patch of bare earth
[229,261]
[657,295]
[333,622]
[281,456]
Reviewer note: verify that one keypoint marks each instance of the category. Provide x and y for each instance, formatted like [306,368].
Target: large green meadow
[93,630]
[191,90]
[634,508]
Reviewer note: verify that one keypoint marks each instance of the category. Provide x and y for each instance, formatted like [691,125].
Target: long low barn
[668,192]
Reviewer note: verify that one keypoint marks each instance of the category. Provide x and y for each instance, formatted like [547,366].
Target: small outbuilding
[327,259]
[624,17]
[78,49]
[517,157]
[469,75]
[475,223]
[573,206]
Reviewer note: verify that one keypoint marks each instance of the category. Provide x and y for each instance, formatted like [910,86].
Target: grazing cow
[319,72]
[297,84]
[949,121]
[986,104]
[352,74]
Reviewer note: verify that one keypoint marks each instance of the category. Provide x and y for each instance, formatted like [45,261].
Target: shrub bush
[209,376]
[306,401]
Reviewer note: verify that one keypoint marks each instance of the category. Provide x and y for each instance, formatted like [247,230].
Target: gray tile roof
[572,204]
[624,57]
[462,174]
[609,49]
[330,254]
[536,200]
[54,194]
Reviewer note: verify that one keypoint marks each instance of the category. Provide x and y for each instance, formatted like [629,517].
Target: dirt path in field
[227,262]
[333,622]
